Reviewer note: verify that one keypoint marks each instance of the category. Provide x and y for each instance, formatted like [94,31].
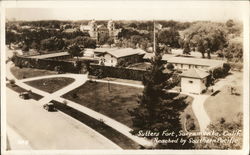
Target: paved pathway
[199,100]
[79,80]
[39,129]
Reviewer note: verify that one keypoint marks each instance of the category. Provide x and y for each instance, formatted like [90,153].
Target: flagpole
[154,38]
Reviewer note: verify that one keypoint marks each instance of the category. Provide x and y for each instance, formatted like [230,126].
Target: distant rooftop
[103,50]
[52,55]
[120,52]
[195,73]
[195,61]
[164,57]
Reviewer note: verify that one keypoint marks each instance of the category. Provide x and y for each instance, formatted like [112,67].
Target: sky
[127,10]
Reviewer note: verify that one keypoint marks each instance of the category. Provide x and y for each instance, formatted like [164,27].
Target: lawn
[224,104]
[50,85]
[20,90]
[21,73]
[114,103]
[107,131]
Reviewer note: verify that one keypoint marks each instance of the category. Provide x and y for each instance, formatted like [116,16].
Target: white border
[52,4]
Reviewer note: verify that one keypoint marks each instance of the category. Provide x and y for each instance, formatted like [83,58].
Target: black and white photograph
[125,76]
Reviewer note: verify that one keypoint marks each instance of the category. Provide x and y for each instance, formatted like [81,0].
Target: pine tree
[158,110]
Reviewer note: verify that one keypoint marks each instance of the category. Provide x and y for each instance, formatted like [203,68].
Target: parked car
[49,107]
[24,95]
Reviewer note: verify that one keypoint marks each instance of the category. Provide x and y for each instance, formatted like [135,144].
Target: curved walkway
[79,80]
[199,110]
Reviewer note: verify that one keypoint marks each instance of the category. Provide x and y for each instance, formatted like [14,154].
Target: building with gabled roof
[114,56]
[194,81]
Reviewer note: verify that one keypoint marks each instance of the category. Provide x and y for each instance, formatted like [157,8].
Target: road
[49,130]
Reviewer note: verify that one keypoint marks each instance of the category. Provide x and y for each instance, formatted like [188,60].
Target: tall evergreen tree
[158,110]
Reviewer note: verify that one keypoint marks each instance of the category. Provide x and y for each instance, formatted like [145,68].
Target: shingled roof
[195,73]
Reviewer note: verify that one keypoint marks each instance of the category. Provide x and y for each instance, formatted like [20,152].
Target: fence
[46,64]
[71,67]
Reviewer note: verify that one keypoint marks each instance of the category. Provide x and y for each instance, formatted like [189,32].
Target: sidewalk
[16,142]
[79,81]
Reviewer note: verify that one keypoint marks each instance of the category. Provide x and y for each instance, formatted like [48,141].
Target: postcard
[125,77]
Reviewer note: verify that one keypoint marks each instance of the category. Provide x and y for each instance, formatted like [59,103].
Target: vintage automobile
[49,107]
[24,95]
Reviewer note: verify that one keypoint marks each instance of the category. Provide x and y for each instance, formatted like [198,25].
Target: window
[190,81]
[181,65]
[112,61]
[189,66]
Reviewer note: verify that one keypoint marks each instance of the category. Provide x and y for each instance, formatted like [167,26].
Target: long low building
[55,56]
[185,63]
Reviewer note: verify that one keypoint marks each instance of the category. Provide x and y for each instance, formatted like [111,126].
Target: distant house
[194,81]
[112,57]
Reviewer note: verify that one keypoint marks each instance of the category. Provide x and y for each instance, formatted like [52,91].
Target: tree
[74,50]
[103,38]
[186,49]
[83,41]
[201,48]
[110,41]
[52,44]
[157,110]
[10,38]
[234,51]
[221,126]
[169,37]
[207,37]
[230,23]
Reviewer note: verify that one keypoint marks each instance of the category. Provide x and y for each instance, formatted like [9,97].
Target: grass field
[224,104]
[107,131]
[20,90]
[21,73]
[50,85]
[114,103]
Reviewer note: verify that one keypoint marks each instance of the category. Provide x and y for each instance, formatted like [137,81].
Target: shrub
[170,66]
[12,82]
[65,102]
[218,73]
[226,68]
[190,126]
